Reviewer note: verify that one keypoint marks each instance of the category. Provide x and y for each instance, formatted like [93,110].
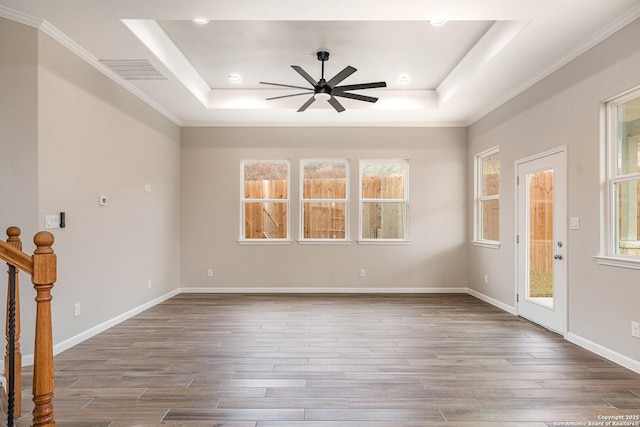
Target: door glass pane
[540,283]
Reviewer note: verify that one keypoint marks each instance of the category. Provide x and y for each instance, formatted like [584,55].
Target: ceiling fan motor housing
[323,56]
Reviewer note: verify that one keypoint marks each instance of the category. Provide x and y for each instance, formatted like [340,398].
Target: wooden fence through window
[268,219]
[327,220]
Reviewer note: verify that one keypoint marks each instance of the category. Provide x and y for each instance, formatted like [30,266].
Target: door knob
[558,256]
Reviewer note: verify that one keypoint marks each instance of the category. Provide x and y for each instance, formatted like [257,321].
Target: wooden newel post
[13,234]
[44,276]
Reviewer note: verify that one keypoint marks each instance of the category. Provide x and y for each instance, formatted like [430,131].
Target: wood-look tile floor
[333,360]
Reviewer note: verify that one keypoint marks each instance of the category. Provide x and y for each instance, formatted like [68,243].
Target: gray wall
[86,136]
[564,109]
[436,256]
[18,134]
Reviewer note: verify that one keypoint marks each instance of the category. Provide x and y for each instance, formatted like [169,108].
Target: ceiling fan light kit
[328,90]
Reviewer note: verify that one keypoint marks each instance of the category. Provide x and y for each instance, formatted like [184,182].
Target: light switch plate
[51,221]
[574,223]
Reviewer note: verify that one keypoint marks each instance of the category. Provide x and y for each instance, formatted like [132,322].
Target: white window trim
[608,179]
[275,241]
[361,201]
[477,199]
[346,240]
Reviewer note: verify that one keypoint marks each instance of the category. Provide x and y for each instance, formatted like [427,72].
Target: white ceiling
[487,52]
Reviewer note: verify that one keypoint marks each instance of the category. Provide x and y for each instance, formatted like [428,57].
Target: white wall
[564,109]
[435,258]
[93,137]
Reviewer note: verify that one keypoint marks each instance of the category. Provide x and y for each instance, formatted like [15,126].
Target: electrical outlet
[210,272]
[635,329]
[486,278]
[362,272]
[149,283]
[76,309]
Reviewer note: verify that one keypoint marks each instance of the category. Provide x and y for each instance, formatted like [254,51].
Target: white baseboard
[320,290]
[605,352]
[502,306]
[27,359]
[67,344]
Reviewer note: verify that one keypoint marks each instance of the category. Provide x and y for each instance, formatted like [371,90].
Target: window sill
[265,242]
[486,244]
[618,261]
[324,242]
[384,242]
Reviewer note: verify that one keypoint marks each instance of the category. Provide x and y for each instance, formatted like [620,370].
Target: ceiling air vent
[134,69]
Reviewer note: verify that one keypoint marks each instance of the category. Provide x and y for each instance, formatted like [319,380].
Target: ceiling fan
[327,90]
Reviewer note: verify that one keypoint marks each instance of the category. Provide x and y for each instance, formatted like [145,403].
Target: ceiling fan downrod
[322,91]
[322,56]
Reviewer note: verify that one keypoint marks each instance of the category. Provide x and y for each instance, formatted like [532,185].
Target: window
[623,170]
[265,200]
[384,200]
[487,190]
[325,196]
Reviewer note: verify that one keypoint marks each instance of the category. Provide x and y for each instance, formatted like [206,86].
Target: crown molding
[591,42]
[79,51]
[22,18]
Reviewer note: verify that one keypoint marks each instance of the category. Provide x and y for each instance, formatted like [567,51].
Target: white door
[541,239]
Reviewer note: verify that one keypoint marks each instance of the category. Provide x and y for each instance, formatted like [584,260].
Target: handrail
[15,257]
[42,268]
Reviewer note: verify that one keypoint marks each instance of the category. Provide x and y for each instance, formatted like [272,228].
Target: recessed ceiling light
[200,21]
[404,78]
[234,78]
[438,21]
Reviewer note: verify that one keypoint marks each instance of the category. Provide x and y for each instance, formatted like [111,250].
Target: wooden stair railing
[42,268]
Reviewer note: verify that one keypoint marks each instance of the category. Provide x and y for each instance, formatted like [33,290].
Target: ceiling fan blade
[335,104]
[305,75]
[287,96]
[281,85]
[361,86]
[354,96]
[348,70]
[306,104]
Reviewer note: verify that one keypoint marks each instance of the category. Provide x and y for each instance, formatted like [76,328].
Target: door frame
[565,300]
